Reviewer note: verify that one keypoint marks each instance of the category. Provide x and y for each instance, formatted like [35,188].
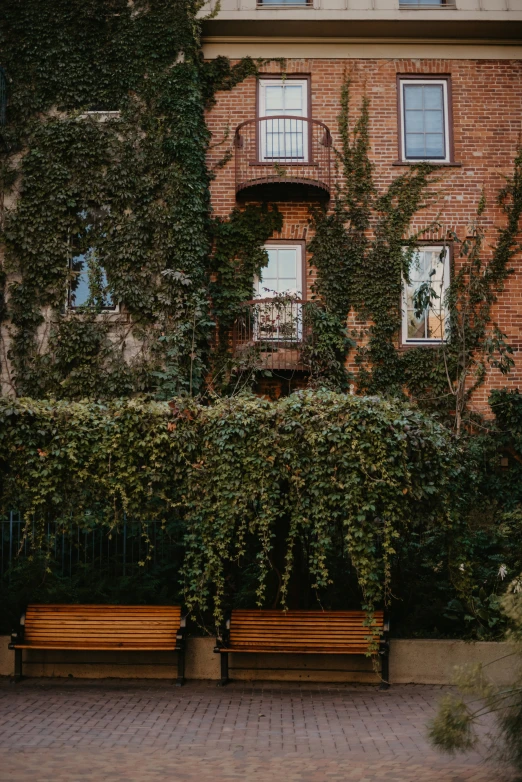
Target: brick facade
[487,117]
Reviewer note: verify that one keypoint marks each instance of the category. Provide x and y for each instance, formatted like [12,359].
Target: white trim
[260,294]
[445,283]
[420,82]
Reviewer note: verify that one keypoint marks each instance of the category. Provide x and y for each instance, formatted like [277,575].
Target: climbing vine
[108,145]
[242,475]
[363,250]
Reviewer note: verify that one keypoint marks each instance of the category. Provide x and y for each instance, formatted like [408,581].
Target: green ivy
[133,191]
[319,466]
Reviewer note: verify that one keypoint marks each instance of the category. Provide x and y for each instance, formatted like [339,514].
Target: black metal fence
[118,550]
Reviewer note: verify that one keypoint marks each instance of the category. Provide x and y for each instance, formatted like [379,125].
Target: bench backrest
[303,631]
[102,626]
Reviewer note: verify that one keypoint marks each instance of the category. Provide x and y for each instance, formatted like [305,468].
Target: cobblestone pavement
[125,731]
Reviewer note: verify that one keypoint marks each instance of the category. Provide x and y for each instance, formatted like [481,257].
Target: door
[283,140]
[281,281]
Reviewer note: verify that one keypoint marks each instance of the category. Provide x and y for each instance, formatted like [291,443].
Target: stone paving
[128,731]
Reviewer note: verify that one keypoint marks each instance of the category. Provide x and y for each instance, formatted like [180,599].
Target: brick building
[444,83]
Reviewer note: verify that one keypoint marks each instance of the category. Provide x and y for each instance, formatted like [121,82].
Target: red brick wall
[487,117]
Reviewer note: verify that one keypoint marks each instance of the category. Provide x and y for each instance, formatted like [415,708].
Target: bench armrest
[181,633]
[384,643]
[17,636]
[223,636]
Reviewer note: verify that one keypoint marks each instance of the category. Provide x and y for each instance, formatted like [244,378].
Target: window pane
[271,269]
[435,325]
[287,263]
[416,326]
[413,96]
[433,96]
[80,292]
[293,97]
[415,145]
[414,122]
[274,98]
[434,145]
[434,122]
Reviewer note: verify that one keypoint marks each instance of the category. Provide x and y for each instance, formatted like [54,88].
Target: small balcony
[271,333]
[283,158]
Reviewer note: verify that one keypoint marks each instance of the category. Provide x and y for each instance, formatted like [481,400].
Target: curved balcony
[271,333]
[283,157]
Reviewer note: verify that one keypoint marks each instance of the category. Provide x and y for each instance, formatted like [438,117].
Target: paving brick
[128,731]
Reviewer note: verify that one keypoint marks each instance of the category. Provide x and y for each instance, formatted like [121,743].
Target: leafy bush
[271,487]
[455,726]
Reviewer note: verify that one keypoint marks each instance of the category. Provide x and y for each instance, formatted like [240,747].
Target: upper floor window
[425,117]
[424,313]
[283,139]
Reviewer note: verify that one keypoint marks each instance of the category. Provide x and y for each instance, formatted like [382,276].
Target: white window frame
[101,115]
[259,294]
[261,85]
[447,148]
[445,284]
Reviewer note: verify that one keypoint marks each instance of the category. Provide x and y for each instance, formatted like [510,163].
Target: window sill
[426,7]
[282,6]
[282,165]
[409,345]
[406,163]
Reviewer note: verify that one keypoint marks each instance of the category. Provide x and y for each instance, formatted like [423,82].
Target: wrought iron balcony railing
[284,150]
[270,333]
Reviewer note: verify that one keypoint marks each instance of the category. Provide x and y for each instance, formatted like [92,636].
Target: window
[429,280]
[88,285]
[424,120]
[284,273]
[283,140]
[278,317]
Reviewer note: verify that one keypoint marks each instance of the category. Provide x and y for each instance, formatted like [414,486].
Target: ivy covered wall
[108,166]
[125,194]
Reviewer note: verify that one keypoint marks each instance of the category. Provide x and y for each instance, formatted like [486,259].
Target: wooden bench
[101,628]
[303,632]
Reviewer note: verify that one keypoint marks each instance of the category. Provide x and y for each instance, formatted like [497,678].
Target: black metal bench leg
[18,665]
[224,669]
[385,670]
[180,681]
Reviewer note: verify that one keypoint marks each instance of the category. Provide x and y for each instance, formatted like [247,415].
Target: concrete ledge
[200,663]
[418,661]
[412,661]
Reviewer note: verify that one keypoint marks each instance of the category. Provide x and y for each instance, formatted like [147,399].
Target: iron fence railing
[283,149]
[117,550]
[272,331]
